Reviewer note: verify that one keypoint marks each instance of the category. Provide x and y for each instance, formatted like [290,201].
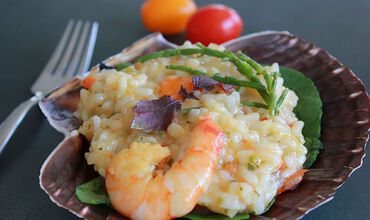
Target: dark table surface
[30,29]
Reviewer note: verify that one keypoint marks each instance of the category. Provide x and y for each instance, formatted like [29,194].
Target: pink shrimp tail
[214,129]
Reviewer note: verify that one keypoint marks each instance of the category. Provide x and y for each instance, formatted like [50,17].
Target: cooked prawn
[292,181]
[139,190]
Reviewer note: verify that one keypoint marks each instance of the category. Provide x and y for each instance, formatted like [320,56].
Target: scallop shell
[345,125]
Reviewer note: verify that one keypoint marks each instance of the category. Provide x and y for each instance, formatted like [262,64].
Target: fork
[71,57]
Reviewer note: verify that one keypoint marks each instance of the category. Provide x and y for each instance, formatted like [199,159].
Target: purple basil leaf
[204,82]
[187,95]
[155,115]
[207,83]
[227,87]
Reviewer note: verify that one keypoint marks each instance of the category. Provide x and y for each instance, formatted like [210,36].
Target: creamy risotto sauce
[259,152]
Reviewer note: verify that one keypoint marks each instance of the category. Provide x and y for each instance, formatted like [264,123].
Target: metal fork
[71,57]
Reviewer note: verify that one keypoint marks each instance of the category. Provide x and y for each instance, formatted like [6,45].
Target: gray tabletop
[30,29]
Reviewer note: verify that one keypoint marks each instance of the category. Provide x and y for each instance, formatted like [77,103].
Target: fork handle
[11,123]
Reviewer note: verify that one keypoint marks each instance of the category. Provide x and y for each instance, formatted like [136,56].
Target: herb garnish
[244,64]
[207,83]
[187,95]
[122,66]
[93,192]
[155,115]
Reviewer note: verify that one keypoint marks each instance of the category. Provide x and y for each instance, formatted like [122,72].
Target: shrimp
[292,181]
[138,189]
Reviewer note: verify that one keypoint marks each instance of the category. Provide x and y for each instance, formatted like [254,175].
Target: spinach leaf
[93,192]
[214,216]
[308,110]
[313,146]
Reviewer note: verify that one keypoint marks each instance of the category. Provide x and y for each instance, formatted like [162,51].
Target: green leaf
[93,192]
[214,216]
[308,110]
[314,145]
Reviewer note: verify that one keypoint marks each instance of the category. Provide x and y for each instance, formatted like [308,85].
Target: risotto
[259,152]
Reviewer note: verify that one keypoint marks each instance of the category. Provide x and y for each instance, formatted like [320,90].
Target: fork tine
[69,50]
[74,51]
[59,49]
[71,71]
[46,74]
[85,61]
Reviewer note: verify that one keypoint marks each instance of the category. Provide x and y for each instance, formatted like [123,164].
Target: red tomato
[214,24]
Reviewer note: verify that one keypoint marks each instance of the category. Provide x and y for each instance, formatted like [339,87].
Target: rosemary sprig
[281,99]
[122,66]
[223,79]
[244,64]
[241,66]
[255,104]
[259,68]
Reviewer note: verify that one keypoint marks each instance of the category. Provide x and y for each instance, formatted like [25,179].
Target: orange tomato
[172,85]
[88,82]
[167,16]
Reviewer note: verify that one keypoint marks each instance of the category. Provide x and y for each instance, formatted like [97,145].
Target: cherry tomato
[167,16]
[214,24]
